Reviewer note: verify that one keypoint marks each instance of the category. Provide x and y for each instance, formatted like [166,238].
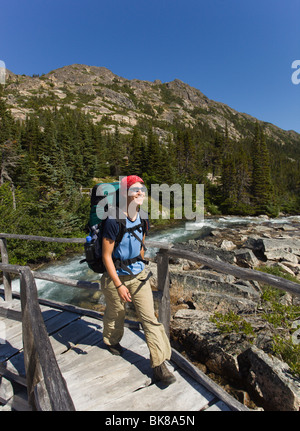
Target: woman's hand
[107,250]
[124,293]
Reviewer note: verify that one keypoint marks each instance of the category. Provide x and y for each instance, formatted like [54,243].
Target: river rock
[246,258]
[197,282]
[270,379]
[210,250]
[227,245]
[285,248]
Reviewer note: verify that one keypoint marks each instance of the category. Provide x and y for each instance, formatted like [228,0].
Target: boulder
[210,250]
[227,245]
[283,248]
[195,282]
[270,379]
[246,258]
[244,359]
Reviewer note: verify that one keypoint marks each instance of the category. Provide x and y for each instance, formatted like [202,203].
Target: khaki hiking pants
[142,298]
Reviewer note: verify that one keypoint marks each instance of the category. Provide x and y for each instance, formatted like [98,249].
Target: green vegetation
[282,316]
[231,322]
[47,158]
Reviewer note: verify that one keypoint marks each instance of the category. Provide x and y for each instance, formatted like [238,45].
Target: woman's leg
[156,338]
[114,314]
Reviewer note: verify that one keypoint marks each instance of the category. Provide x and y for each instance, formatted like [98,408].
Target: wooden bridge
[52,356]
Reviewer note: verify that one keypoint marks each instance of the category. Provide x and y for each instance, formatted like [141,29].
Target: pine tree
[228,174]
[7,124]
[217,154]
[117,152]
[135,153]
[261,186]
[243,181]
[30,136]
[153,158]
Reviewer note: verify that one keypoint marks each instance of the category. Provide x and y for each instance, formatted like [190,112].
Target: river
[71,268]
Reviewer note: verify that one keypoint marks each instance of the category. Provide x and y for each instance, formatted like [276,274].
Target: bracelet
[117,287]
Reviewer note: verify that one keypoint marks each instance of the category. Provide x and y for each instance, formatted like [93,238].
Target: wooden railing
[165,250]
[46,386]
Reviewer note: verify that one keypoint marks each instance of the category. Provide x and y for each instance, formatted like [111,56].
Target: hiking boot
[116,349]
[161,373]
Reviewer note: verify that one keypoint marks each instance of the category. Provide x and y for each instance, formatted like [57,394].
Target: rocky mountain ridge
[115,100]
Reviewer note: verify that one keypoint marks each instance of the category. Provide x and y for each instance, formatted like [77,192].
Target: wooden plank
[10,314]
[105,364]
[183,395]
[60,320]
[12,376]
[219,406]
[80,350]
[13,342]
[100,390]
[15,362]
[15,304]
[200,377]
[69,336]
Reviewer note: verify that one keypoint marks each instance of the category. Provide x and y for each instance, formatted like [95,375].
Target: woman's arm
[107,250]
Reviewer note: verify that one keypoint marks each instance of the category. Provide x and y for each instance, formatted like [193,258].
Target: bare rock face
[97,88]
[241,359]
[271,380]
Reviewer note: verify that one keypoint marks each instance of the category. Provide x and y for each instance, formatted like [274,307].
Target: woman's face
[136,193]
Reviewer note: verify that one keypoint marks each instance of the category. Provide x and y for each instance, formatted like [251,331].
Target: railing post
[47,389]
[163,284]
[6,275]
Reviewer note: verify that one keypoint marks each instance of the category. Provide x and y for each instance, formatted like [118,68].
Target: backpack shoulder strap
[122,229]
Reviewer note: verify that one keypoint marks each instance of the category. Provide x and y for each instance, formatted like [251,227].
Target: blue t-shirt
[129,246]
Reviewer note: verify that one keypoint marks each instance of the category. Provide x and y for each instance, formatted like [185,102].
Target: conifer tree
[228,174]
[243,181]
[261,185]
[217,154]
[116,152]
[7,123]
[135,153]
[153,158]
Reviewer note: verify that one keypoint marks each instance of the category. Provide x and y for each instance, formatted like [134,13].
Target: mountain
[114,100]
[66,130]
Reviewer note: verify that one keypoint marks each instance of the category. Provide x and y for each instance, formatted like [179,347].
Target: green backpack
[110,191]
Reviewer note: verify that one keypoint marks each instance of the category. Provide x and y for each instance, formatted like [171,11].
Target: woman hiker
[125,284]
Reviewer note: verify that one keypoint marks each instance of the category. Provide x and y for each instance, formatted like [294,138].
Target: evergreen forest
[47,159]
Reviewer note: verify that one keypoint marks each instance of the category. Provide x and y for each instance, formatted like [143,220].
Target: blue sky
[238,52]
